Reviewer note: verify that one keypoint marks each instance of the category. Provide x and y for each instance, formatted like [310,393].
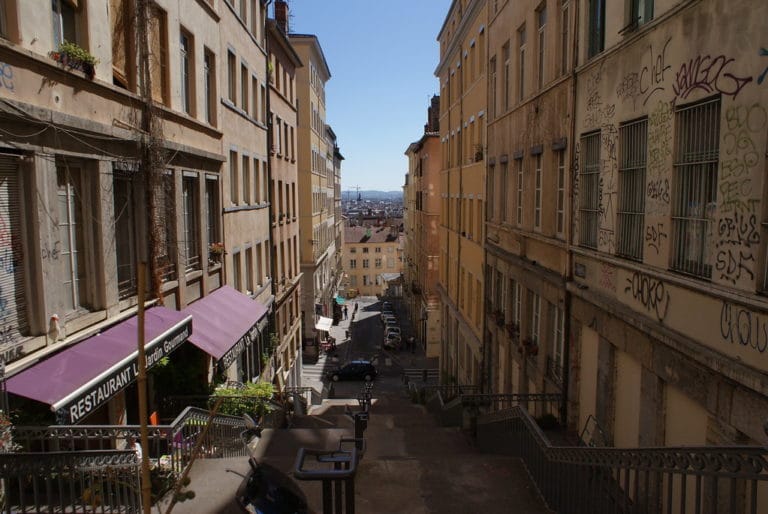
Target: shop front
[230,329]
[88,381]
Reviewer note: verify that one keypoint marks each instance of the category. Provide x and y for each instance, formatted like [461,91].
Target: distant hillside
[351,194]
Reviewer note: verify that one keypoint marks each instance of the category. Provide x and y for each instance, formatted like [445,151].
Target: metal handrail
[89,481]
[500,401]
[633,480]
[447,391]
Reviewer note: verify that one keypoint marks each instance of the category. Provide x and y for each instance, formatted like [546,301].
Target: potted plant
[215,251]
[75,57]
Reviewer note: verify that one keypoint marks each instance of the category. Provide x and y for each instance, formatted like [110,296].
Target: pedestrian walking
[345,312]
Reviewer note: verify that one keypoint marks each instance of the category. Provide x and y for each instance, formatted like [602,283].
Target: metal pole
[146,484]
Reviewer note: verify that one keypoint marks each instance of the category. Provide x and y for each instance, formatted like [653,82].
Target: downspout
[568,240]
[270,136]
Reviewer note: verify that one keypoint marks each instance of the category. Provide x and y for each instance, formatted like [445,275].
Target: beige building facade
[284,180]
[316,189]
[73,194]
[529,126]
[421,218]
[669,224]
[463,93]
[370,254]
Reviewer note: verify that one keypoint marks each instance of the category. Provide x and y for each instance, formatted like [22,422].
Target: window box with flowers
[215,252]
[75,57]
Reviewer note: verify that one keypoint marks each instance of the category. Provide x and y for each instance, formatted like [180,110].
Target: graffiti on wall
[743,326]
[763,53]
[649,79]
[709,74]
[6,76]
[738,229]
[650,292]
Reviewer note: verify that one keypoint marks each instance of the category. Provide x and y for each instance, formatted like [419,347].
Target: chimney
[281,15]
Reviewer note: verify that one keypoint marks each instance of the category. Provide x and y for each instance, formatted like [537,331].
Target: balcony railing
[670,480]
[104,481]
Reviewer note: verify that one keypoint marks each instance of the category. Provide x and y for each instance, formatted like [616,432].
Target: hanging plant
[75,57]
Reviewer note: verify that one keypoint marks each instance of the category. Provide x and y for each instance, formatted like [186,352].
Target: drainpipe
[568,243]
[270,137]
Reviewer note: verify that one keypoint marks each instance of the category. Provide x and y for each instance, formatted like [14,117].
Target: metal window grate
[695,186]
[633,142]
[589,199]
[519,192]
[560,192]
[537,195]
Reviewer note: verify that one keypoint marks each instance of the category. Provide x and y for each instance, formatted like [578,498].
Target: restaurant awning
[83,377]
[226,321]
[324,324]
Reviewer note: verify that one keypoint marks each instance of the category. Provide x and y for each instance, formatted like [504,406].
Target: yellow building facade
[463,94]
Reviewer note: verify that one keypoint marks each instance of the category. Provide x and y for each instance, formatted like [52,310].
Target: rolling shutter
[13,309]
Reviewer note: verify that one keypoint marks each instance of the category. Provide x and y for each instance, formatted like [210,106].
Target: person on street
[345,312]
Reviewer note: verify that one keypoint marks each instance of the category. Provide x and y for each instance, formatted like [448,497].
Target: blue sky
[382,55]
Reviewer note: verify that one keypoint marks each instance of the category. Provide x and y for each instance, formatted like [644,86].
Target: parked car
[393,342]
[354,370]
[269,490]
[392,330]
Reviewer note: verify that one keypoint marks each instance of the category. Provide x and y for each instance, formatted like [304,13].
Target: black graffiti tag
[650,292]
[740,325]
[708,74]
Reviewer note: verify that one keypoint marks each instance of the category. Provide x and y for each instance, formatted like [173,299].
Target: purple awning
[226,321]
[83,377]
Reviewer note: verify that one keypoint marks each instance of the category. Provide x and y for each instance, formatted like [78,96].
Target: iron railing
[170,446]
[447,391]
[576,480]
[72,482]
[549,402]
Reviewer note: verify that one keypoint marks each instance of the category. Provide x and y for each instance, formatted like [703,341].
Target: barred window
[589,200]
[503,191]
[695,184]
[633,139]
[537,195]
[519,192]
[560,192]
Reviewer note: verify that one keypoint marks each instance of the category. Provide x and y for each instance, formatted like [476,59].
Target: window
[519,192]
[123,58]
[249,271]
[254,97]
[263,97]
[237,271]
[492,85]
[187,72]
[558,325]
[390,262]
[353,250]
[631,208]
[244,78]
[232,77]
[3,18]
[695,184]
[366,263]
[254,19]
[521,64]
[541,16]
[65,13]
[167,247]
[377,262]
[191,222]
[517,310]
[365,250]
[246,173]
[491,191]
[503,191]
[158,44]
[560,214]
[75,274]
[377,249]
[209,80]
[233,176]
[564,37]
[639,12]
[125,235]
[596,27]
[589,200]
[507,79]
[535,317]
[353,264]
[244,11]
[537,194]
[366,280]
[212,211]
